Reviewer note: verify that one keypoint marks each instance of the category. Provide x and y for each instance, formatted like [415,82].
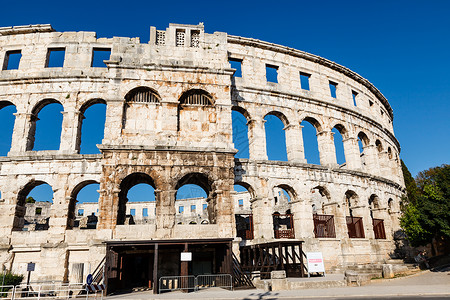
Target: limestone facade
[182,134]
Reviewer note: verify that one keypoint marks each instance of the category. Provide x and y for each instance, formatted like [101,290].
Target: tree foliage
[426,211]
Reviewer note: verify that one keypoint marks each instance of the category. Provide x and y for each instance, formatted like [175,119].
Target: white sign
[186,256]
[315,262]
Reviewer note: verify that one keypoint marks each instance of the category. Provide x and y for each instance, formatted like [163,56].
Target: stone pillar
[108,204]
[165,212]
[71,132]
[257,139]
[294,143]
[225,214]
[58,216]
[21,139]
[352,155]
[363,211]
[114,119]
[340,222]
[303,219]
[383,161]
[262,218]
[327,150]
[371,159]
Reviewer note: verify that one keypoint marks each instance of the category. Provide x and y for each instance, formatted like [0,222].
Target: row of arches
[44,123]
[136,187]
[309,142]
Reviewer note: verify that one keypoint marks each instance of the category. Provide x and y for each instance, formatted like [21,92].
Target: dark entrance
[140,264]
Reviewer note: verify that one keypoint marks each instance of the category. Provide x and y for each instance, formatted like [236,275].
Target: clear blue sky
[402,47]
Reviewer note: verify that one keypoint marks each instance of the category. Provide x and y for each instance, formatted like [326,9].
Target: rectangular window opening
[272,73]
[382,112]
[133,212]
[195,38]
[236,64]
[304,81]
[81,212]
[180,209]
[333,88]
[12,60]
[193,208]
[370,103]
[55,57]
[180,37]
[38,211]
[241,202]
[99,55]
[205,206]
[354,94]
[145,212]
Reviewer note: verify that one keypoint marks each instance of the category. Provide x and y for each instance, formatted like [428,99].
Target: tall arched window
[7,118]
[310,144]
[338,132]
[275,137]
[45,130]
[92,122]
[240,134]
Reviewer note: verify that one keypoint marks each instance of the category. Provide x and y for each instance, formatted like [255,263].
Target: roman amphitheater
[169,106]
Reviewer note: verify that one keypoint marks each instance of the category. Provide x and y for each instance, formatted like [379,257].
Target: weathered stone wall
[173,143]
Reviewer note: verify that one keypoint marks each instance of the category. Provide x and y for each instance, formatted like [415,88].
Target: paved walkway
[424,283]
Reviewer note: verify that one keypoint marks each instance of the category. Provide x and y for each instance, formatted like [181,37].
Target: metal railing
[324,226]
[192,283]
[47,291]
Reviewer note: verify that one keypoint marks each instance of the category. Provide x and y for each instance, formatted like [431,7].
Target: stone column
[352,155]
[294,143]
[340,222]
[224,213]
[58,215]
[165,212]
[327,150]
[257,139]
[371,159]
[21,139]
[262,218]
[71,132]
[114,119]
[108,204]
[363,211]
[303,219]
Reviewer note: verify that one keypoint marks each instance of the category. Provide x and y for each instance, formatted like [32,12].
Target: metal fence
[43,291]
[192,283]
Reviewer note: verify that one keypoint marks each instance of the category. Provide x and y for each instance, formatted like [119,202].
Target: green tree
[426,211]
[30,200]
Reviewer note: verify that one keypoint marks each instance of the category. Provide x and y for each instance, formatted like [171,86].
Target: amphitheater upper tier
[169,105]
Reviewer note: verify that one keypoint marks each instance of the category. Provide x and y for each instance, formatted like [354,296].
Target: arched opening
[363,142]
[83,206]
[45,129]
[193,202]
[338,132]
[141,113]
[377,221]
[275,137]
[283,223]
[137,192]
[33,209]
[243,211]
[240,134]
[390,206]
[323,213]
[390,156]
[354,223]
[92,126]
[7,119]
[310,128]
[196,113]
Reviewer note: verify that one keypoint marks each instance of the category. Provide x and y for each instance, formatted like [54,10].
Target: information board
[186,256]
[315,262]
[30,267]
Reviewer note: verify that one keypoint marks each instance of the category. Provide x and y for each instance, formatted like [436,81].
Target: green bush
[12,279]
